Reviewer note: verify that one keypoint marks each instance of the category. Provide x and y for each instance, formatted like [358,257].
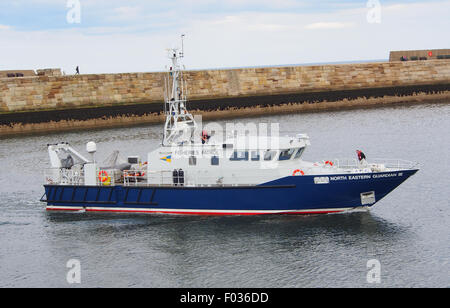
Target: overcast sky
[109,36]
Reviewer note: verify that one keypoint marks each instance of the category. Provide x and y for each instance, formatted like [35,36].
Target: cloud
[126,13]
[268,27]
[329,25]
[134,37]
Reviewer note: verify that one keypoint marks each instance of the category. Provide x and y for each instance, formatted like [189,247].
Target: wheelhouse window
[239,156]
[214,161]
[299,153]
[269,155]
[286,154]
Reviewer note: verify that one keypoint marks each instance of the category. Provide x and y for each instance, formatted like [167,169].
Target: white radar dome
[91,147]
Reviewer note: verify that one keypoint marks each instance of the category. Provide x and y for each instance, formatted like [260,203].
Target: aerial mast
[180,124]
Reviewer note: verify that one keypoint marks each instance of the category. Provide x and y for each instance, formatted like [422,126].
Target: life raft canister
[103,176]
[329,162]
[298,171]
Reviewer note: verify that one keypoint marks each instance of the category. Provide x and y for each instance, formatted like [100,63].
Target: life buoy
[103,176]
[328,162]
[298,171]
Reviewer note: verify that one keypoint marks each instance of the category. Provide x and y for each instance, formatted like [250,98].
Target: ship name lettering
[359,177]
[338,178]
[385,175]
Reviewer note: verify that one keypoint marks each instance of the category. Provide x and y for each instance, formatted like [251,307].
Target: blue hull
[289,195]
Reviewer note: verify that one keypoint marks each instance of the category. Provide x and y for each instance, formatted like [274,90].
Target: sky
[113,36]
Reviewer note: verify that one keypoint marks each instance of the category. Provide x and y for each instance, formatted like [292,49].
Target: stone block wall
[428,54]
[79,91]
[49,72]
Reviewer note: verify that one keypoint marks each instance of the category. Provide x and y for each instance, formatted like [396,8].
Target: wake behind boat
[215,171]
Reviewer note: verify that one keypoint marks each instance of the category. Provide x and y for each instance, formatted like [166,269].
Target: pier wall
[53,98]
[424,54]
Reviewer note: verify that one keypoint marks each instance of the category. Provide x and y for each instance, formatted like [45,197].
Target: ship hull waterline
[288,195]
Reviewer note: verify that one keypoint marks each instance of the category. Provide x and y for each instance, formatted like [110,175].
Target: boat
[242,170]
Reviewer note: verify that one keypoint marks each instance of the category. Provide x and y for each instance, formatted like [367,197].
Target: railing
[134,178]
[397,164]
[64,176]
[61,176]
[196,179]
[168,178]
[141,178]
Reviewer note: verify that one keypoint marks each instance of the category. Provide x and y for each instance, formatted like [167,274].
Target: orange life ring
[103,176]
[297,171]
[328,162]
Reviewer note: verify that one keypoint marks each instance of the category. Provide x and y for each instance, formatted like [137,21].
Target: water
[407,232]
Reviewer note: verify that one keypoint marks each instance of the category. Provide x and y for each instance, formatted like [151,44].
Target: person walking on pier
[77,71]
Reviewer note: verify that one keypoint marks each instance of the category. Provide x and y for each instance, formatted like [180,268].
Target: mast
[180,125]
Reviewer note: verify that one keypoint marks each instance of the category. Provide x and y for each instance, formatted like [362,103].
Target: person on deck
[361,158]
[205,137]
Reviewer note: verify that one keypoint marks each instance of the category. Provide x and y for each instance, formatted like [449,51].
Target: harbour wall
[424,54]
[122,99]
